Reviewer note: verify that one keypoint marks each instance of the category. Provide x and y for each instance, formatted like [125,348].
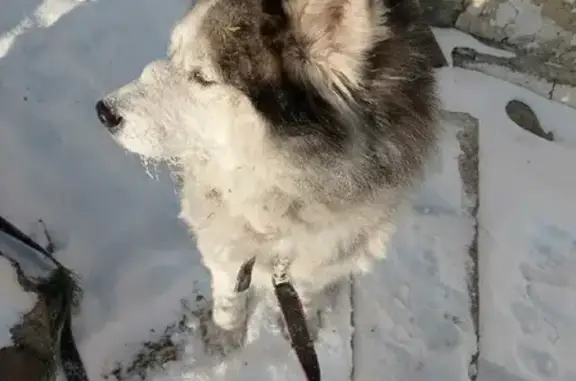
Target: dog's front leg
[230,305]
[224,326]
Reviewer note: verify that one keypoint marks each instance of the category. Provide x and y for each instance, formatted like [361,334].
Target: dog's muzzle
[108,116]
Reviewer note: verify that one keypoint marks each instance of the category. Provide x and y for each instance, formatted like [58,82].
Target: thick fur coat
[297,128]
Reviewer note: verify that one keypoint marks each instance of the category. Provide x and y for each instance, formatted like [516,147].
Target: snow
[451,38]
[527,235]
[118,229]
[422,330]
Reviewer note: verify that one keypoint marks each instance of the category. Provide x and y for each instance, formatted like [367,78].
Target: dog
[297,129]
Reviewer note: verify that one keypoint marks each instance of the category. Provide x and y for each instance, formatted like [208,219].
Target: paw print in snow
[539,363]
[553,258]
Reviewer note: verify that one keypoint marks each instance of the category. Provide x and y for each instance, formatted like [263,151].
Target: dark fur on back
[395,103]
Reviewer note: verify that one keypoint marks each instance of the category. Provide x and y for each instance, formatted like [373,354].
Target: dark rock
[530,65]
[524,117]
[441,13]
[23,364]
[435,53]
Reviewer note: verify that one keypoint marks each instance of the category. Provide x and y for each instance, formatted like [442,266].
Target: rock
[525,75]
[565,94]
[527,64]
[435,53]
[542,28]
[524,117]
[22,364]
[526,71]
[441,13]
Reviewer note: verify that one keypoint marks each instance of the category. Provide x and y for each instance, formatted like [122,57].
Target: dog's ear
[332,38]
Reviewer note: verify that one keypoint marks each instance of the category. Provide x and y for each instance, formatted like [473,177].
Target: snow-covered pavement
[478,283]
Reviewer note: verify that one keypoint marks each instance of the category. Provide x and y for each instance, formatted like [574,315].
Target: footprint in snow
[553,258]
[538,362]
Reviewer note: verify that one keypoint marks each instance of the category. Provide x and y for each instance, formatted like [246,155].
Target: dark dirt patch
[152,355]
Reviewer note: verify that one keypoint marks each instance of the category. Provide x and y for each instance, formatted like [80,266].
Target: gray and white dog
[298,127]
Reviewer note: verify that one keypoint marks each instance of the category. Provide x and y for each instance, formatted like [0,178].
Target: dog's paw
[219,341]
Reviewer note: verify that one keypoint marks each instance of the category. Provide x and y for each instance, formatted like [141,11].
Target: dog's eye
[197,76]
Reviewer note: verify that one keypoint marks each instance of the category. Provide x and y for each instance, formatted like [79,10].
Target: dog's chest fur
[245,205]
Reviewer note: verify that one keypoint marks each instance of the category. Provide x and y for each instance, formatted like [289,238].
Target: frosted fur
[253,186]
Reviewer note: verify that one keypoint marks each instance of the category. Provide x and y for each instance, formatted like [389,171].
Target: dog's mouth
[109,117]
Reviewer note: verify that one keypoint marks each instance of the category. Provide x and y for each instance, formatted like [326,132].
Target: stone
[565,94]
[435,53]
[529,72]
[22,364]
[543,28]
[501,68]
[441,13]
[525,118]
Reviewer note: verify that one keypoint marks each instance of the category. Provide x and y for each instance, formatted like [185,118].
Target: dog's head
[251,68]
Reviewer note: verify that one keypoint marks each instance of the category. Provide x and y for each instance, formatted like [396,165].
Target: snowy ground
[413,319]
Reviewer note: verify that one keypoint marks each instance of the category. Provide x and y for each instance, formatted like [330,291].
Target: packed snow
[413,319]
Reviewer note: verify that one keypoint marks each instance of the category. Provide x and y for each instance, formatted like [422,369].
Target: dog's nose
[107,116]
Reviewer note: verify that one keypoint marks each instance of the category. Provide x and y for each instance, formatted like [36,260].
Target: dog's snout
[107,115]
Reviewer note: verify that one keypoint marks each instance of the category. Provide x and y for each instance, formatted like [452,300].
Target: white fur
[241,196]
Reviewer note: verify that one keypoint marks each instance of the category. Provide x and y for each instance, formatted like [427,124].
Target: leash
[292,311]
[56,285]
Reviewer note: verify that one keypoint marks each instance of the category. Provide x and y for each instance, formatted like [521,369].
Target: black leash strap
[245,275]
[56,284]
[299,335]
[292,311]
